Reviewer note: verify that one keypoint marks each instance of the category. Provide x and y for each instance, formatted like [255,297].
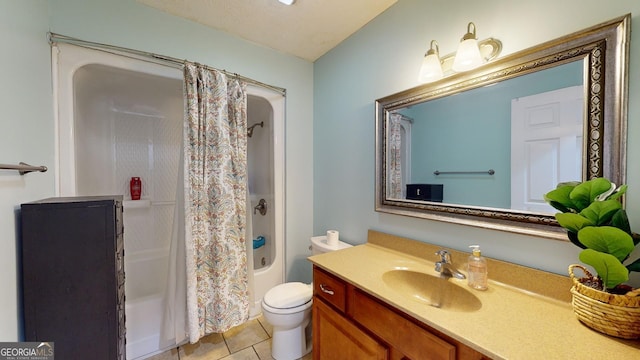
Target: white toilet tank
[319,245]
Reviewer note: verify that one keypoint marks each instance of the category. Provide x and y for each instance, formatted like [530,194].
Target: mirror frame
[604,50]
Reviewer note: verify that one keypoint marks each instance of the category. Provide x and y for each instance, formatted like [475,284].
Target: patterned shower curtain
[394,173]
[215,168]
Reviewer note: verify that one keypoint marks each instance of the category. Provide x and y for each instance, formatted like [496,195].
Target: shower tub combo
[119,117]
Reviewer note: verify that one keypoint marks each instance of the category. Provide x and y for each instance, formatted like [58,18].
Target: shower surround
[119,118]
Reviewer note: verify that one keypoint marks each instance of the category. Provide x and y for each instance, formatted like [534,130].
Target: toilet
[287,307]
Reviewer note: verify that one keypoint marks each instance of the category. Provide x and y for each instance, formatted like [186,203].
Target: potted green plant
[595,221]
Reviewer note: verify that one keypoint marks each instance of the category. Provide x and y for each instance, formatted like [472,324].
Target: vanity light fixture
[287,2]
[471,54]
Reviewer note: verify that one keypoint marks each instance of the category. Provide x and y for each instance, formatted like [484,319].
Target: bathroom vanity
[375,301]
[350,324]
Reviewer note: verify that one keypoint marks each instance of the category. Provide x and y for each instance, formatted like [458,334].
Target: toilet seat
[288,311]
[288,298]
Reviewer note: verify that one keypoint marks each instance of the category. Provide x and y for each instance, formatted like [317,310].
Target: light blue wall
[471,132]
[130,24]
[26,111]
[383,58]
[26,134]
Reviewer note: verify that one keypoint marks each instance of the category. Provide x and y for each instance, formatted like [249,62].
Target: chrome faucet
[445,267]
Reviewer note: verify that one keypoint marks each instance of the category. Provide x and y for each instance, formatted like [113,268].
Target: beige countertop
[525,313]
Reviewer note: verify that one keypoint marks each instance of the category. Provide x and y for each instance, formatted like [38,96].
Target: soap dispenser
[477,269]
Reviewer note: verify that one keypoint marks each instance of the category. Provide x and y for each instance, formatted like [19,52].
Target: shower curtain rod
[162,59]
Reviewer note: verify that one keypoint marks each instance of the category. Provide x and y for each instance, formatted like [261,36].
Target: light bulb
[468,55]
[431,68]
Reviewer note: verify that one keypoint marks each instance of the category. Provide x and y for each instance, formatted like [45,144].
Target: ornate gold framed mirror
[477,148]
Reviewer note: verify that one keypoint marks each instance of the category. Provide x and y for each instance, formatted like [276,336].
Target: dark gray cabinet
[73,276]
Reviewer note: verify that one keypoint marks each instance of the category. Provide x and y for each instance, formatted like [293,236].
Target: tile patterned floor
[250,341]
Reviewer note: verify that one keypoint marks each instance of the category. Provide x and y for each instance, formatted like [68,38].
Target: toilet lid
[288,295]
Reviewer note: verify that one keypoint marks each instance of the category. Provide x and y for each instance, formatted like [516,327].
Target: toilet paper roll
[332,237]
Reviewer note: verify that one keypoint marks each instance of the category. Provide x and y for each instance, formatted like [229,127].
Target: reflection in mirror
[525,125]
[481,148]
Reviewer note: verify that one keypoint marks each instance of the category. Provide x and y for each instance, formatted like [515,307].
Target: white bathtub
[143,323]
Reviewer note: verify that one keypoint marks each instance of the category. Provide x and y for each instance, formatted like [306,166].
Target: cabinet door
[335,338]
[401,333]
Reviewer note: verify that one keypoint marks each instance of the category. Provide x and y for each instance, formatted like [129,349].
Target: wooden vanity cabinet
[351,324]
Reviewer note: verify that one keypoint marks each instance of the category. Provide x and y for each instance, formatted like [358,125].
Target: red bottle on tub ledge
[135,186]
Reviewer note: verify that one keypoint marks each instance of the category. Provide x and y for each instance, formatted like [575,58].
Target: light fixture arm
[471,33]
[433,51]
[494,44]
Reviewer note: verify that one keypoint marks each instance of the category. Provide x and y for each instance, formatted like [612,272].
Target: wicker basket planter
[611,314]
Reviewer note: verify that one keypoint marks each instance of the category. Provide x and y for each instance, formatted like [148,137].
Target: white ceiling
[306,29]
